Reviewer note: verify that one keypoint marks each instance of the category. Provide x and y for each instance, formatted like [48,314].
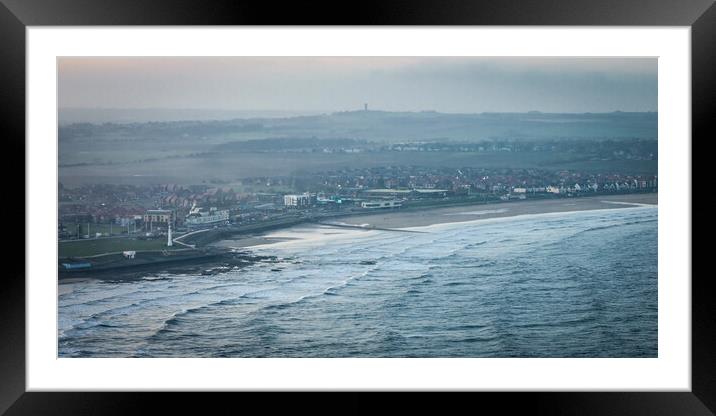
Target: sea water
[577,284]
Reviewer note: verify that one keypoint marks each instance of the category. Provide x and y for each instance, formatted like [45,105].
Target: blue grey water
[580,284]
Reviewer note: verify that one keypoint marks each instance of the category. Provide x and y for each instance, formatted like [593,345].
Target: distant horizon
[279,110]
[233,114]
[451,85]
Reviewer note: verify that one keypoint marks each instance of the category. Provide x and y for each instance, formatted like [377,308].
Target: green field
[105,229]
[199,152]
[82,248]
[229,167]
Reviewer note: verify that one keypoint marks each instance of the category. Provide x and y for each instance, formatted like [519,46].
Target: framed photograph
[456,201]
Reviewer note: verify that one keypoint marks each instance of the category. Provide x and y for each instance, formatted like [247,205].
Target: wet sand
[250,240]
[398,219]
[405,219]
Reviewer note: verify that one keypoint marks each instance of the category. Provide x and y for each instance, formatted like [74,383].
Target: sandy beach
[398,219]
[405,219]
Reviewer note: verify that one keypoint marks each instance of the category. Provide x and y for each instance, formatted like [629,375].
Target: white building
[301,200]
[163,216]
[381,204]
[201,217]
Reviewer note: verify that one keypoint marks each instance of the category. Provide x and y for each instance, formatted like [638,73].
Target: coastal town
[129,191]
[142,216]
[449,210]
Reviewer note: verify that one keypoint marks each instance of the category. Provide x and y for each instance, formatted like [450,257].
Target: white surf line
[329,224]
[438,226]
[484,212]
[635,204]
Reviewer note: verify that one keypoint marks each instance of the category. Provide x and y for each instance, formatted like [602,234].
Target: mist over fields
[224,151]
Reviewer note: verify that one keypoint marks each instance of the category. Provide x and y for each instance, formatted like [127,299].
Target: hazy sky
[445,84]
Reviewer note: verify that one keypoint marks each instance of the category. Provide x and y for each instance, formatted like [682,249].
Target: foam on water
[579,284]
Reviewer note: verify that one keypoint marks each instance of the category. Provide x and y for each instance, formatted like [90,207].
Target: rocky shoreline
[204,262]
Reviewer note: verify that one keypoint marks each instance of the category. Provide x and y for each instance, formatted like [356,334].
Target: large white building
[553,189]
[202,218]
[301,200]
[159,216]
[381,204]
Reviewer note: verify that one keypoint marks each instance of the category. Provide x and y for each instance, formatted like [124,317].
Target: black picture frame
[15,15]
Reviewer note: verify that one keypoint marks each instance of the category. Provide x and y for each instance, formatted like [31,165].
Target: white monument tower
[169,235]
